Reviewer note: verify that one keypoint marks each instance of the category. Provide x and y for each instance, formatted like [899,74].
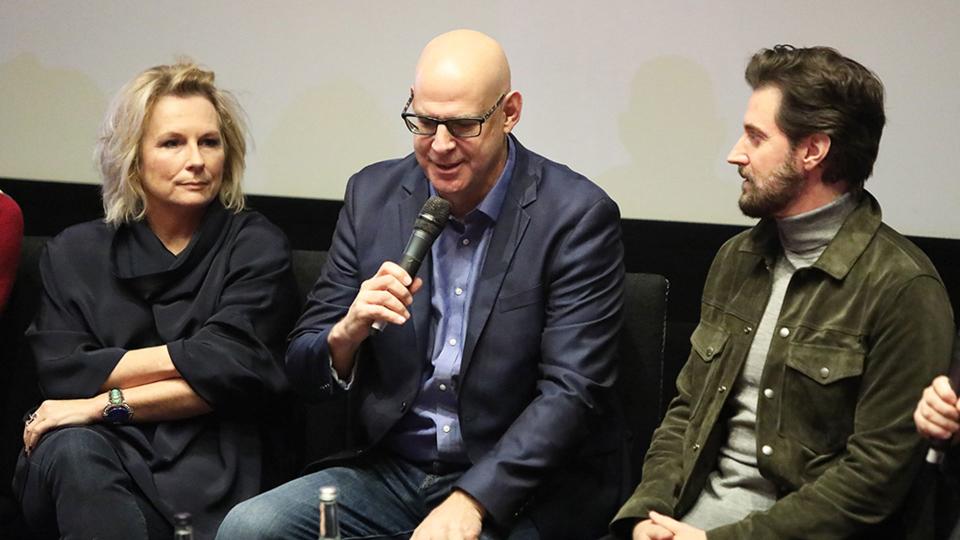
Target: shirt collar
[842,252]
[492,203]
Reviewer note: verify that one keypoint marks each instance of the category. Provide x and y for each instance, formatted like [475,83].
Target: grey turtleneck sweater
[735,488]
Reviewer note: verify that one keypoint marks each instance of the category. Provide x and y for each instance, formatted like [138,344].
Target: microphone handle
[938,448]
[413,255]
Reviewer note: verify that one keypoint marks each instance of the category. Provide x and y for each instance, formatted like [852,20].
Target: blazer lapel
[507,234]
[417,329]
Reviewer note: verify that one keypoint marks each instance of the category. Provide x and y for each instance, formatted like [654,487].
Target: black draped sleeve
[72,361]
[232,359]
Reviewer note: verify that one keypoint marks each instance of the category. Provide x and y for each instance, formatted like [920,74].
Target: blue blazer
[537,408]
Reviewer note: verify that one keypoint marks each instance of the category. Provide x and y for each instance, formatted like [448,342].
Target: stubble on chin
[768,198]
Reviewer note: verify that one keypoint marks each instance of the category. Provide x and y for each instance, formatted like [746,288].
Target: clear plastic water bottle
[329,518]
[182,529]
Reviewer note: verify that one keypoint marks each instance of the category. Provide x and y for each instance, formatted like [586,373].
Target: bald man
[485,405]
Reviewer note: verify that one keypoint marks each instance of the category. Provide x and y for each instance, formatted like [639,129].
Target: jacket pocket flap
[708,341]
[825,365]
[520,299]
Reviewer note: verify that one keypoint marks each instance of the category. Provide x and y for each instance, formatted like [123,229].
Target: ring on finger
[31,418]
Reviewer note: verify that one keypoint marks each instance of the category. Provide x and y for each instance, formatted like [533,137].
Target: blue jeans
[383,497]
[74,485]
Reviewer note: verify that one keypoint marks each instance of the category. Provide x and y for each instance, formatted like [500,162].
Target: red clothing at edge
[11,235]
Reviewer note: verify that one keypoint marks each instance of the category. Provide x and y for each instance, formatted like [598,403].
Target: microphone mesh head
[433,216]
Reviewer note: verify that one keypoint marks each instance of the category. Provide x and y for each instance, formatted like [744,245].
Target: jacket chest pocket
[707,344]
[820,388]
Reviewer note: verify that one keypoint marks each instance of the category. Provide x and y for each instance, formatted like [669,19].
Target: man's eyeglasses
[461,128]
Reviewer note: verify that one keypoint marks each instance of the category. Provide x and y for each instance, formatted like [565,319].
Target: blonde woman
[161,327]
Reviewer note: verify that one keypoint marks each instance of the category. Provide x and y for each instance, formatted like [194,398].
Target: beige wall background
[645,97]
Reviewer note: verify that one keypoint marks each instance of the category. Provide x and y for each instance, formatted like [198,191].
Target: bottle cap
[328,493]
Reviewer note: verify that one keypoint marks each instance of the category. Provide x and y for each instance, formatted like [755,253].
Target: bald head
[463,77]
[462,64]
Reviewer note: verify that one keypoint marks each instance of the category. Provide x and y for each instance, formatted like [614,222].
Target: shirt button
[696,447]
[709,352]
[747,329]
[465,241]
[767,450]
[784,331]
[446,429]
[458,291]
[452,342]
[768,393]
[443,387]
[824,372]
[722,389]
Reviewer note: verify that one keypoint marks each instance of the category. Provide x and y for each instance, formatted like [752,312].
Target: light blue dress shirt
[430,431]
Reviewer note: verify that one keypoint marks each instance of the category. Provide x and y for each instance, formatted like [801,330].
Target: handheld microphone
[428,226]
[939,447]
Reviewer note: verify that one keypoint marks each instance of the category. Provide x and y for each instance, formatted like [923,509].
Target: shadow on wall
[676,141]
[50,118]
[327,134]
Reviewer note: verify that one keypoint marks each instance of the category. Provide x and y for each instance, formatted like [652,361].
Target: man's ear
[814,148]
[512,106]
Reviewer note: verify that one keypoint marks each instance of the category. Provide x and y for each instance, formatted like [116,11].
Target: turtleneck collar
[805,236]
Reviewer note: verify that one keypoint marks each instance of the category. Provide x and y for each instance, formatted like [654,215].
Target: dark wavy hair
[825,92]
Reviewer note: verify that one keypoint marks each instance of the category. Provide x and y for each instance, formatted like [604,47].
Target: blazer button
[403,406]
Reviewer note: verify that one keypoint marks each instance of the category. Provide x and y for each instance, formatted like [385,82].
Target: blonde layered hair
[118,146]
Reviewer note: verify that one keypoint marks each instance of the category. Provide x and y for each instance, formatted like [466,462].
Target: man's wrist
[467,498]
[342,350]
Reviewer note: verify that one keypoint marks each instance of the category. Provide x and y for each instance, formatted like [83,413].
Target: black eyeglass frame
[478,119]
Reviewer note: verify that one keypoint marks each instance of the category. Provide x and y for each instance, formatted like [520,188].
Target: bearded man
[819,327]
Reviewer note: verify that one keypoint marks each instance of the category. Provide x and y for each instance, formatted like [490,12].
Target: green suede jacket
[860,334]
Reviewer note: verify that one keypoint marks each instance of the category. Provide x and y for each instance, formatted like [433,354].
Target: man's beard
[769,197]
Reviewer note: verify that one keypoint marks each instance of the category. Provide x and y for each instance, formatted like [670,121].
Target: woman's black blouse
[223,307]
